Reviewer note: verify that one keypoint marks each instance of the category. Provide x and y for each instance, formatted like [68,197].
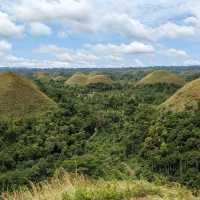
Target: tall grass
[66,186]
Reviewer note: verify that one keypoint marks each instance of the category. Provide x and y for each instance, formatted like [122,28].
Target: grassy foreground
[72,187]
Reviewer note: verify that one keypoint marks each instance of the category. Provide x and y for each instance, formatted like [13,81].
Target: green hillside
[115,135]
[20,98]
[161,76]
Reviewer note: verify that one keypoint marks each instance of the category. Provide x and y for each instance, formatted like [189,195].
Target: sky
[99,33]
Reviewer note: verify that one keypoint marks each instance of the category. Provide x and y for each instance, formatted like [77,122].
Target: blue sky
[99,33]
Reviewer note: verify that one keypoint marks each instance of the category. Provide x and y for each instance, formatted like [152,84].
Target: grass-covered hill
[187,97]
[114,135]
[99,79]
[76,187]
[77,79]
[20,97]
[41,75]
[83,79]
[161,76]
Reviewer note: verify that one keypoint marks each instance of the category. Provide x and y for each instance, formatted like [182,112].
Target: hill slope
[41,75]
[188,96]
[19,97]
[79,188]
[82,79]
[99,79]
[77,79]
[161,76]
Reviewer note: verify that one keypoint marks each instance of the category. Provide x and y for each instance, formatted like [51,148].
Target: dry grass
[58,78]
[99,79]
[77,79]
[74,187]
[188,96]
[20,97]
[161,76]
[83,79]
[41,75]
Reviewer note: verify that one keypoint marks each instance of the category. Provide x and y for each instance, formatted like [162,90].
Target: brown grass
[77,79]
[41,75]
[187,96]
[20,97]
[161,76]
[83,79]
[76,187]
[99,79]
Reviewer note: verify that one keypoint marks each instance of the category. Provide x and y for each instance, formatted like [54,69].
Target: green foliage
[105,131]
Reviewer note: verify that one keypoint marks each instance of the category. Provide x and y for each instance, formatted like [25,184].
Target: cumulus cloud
[125,25]
[109,25]
[45,10]
[117,18]
[38,28]
[8,28]
[68,55]
[132,48]
[5,46]
[172,30]
[176,53]
[99,54]
[192,62]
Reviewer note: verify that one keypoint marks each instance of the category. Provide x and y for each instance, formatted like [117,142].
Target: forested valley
[110,130]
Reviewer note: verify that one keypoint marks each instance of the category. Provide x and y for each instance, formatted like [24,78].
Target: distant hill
[41,75]
[83,79]
[99,79]
[77,79]
[186,97]
[59,78]
[20,98]
[161,76]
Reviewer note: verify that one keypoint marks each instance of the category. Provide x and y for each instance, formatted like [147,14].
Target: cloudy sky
[99,33]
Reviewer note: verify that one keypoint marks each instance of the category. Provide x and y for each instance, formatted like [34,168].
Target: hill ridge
[20,97]
[161,76]
[84,79]
[186,97]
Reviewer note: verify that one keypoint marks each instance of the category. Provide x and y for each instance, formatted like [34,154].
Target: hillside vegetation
[187,98]
[112,132]
[76,187]
[41,75]
[19,97]
[161,76]
[83,79]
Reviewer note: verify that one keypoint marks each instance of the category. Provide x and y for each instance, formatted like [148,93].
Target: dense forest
[114,131]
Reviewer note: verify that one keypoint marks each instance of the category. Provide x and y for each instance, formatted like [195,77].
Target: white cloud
[191,20]
[171,30]
[109,25]
[176,53]
[192,62]
[132,48]
[99,54]
[9,28]
[68,55]
[44,10]
[38,28]
[5,46]
[117,17]
[125,25]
